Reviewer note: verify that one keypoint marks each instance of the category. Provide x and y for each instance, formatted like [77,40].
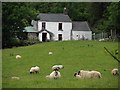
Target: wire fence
[104,35]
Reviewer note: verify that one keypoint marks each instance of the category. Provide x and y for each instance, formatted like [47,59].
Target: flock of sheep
[80,74]
[56,73]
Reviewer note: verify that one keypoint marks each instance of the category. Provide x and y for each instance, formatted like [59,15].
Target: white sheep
[54,75]
[96,74]
[84,74]
[101,40]
[57,67]
[50,53]
[88,74]
[15,78]
[35,69]
[18,56]
[115,71]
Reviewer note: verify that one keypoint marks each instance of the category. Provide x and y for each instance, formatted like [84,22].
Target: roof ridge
[51,13]
[79,21]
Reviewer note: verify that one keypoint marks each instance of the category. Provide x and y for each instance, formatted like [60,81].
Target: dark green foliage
[15,17]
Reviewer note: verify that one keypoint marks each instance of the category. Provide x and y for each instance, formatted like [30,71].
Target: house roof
[54,17]
[80,26]
[46,31]
[29,29]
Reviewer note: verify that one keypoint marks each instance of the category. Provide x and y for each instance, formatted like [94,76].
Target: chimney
[65,11]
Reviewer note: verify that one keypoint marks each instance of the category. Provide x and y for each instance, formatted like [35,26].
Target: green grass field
[74,55]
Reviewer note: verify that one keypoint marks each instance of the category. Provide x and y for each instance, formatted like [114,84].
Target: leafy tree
[96,11]
[15,17]
[111,19]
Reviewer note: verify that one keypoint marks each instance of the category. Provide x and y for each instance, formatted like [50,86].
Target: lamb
[35,69]
[54,75]
[88,74]
[57,67]
[18,56]
[115,71]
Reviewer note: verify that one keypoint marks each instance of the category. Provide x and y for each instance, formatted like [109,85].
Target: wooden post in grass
[112,55]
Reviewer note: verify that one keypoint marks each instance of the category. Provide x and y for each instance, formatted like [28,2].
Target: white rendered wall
[53,27]
[77,35]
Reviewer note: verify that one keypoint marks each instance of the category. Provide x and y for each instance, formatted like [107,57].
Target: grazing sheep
[35,69]
[50,53]
[96,74]
[57,67]
[84,74]
[77,75]
[88,74]
[18,56]
[101,40]
[54,75]
[16,78]
[115,72]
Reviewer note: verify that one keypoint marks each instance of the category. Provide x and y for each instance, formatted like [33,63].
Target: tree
[96,11]
[15,17]
[111,19]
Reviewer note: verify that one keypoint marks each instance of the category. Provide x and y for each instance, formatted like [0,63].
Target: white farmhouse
[58,26]
[54,27]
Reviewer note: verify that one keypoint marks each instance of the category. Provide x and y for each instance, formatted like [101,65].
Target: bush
[29,42]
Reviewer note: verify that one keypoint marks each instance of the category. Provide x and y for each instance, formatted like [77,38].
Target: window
[43,25]
[60,26]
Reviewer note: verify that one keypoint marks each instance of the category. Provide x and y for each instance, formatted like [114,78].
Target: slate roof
[29,29]
[54,17]
[80,26]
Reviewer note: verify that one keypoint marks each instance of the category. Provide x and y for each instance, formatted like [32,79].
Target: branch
[112,55]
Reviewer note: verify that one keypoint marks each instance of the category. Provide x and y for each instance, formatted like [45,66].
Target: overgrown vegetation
[74,55]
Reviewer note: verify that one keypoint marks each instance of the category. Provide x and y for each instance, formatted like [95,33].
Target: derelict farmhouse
[56,27]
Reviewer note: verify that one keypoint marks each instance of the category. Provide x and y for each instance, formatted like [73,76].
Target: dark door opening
[59,37]
[44,37]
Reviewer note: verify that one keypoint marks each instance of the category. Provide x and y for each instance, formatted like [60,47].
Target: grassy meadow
[74,55]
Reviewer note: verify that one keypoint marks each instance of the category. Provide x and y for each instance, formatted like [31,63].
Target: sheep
[57,67]
[101,40]
[35,69]
[18,56]
[54,75]
[50,53]
[76,75]
[88,74]
[84,74]
[16,78]
[96,74]
[115,71]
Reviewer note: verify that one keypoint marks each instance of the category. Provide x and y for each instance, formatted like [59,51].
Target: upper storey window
[60,26]
[43,25]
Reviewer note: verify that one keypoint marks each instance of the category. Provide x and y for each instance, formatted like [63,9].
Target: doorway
[44,37]
[60,37]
